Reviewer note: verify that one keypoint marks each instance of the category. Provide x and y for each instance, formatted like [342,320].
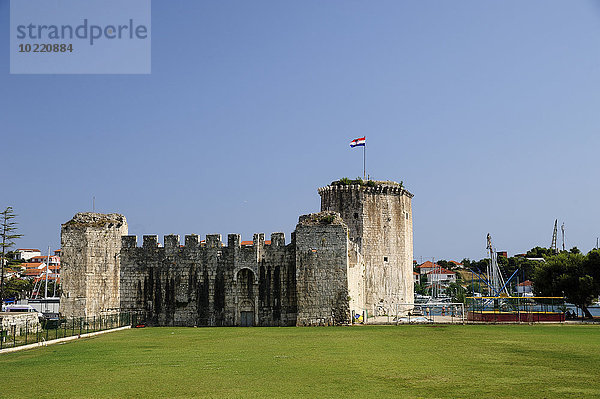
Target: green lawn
[484,361]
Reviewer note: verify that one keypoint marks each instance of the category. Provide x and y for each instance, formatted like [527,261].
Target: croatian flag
[357,142]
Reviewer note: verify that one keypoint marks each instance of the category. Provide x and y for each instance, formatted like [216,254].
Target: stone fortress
[353,256]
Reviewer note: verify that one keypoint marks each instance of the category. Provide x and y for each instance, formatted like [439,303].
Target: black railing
[50,329]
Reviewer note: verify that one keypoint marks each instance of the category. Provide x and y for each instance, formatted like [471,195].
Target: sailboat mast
[47,268]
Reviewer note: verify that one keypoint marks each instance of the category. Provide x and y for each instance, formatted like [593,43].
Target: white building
[51,260]
[26,254]
[427,267]
[442,276]
[525,288]
[416,278]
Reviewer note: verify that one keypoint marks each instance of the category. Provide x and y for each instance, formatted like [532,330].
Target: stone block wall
[19,323]
[90,276]
[354,255]
[321,270]
[379,220]
[209,283]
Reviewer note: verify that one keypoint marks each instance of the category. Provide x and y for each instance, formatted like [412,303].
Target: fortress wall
[356,278]
[321,270]
[90,245]
[209,284]
[359,258]
[387,250]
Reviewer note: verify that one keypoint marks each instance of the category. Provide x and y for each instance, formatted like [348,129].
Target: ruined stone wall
[209,284]
[379,220]
[321,270]
[90,273]
[19,323]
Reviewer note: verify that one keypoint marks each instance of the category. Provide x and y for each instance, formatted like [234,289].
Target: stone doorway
[246,292]
[246,319]
[246,314]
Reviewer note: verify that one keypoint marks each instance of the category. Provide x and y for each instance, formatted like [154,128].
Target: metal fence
[516,309]
[49,329]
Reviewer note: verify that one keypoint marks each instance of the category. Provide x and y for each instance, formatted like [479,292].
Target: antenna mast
[554,234]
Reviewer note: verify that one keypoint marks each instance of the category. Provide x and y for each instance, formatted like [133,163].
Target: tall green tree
[572,275]
[8,228]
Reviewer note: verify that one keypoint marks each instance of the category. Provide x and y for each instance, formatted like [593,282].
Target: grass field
[489,361]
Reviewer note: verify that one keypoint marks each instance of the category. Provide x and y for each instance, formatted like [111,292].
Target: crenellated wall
[209,283]
[355,254]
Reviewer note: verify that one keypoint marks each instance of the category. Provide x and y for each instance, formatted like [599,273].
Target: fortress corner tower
[91,243]
[379,219]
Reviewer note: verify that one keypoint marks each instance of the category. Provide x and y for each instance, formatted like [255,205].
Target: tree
[457,292]
[7,230]
[572,275]
[18,288]
[421,288]
[539,252]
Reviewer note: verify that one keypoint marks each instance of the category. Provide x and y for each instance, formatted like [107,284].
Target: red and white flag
[358,142]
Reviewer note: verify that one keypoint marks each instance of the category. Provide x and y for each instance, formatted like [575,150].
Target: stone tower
[321,270]
[90,270]
[379,219]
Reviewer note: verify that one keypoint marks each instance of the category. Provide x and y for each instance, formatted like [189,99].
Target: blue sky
[487,111]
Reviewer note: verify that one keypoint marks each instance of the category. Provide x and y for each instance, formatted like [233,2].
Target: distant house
[525,288]
[26,254]
[39,269]
[427,267]
[442,276]
[52,260]
[416,278]
[458,265]
[33,269]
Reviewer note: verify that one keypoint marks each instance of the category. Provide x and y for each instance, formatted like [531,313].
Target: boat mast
[47,269]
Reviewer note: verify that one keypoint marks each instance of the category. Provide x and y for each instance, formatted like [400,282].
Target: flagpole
[365,161]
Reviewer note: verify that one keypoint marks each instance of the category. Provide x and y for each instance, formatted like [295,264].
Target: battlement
[192,241]
[370,187]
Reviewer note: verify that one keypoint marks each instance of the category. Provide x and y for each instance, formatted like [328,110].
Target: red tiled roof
[416,274]
[456,263]
[441,270]
[267,242]
[428,264]
[33,272]
[30,265]
[525,283]
[50,277]
[44,257]
[28,249]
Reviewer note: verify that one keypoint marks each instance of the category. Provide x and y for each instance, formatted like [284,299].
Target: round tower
[379,219]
